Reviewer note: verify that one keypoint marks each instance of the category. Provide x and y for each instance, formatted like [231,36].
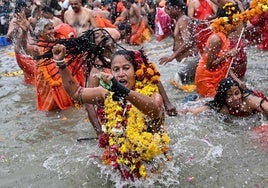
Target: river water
[39,149]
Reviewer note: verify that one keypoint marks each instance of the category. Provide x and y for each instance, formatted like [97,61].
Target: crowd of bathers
[72,54]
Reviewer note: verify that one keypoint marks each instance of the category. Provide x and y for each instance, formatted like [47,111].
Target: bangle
[61,63]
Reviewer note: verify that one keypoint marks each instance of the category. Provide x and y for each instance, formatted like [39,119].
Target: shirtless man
[79,17]
[184,46]
[131,16]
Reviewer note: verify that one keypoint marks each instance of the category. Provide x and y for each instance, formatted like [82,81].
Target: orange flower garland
[226,24]
[53,80]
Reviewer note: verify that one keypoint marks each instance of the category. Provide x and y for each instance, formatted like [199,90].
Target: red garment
[203,31]
[238,113]
[203,11]
[207,80]
[28,65]
[162,23]
[103,22]
[261,22]
[138,35]
[51,94]
[240,60]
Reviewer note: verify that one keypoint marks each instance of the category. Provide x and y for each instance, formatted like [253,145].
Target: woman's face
[123,71]
[109,46]
[234,97]
[48,33]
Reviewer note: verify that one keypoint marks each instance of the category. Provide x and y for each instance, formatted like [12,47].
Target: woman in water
[233,100]
[133,116]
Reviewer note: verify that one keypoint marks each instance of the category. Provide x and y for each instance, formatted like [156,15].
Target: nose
[235,97]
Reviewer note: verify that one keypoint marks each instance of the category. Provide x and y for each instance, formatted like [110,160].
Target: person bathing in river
[103,65]
[133,116]
[231,99]
[218,55]
[184,47]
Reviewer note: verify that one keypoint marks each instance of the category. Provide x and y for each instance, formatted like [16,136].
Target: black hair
[228,10]
[220,97]
[81,50]
[47,9]
[131,56]
[19,4]
[179,3]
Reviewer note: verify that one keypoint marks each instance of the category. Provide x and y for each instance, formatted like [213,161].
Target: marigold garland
[226,24]
[128,143]
[54,80]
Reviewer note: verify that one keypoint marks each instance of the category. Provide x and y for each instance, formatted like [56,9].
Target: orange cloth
[103,22]
[207,80]
[120,7]
[64,31]
[51,95]
[140,34]
[28,65]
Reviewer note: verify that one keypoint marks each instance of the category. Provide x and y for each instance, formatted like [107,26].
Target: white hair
[40,26]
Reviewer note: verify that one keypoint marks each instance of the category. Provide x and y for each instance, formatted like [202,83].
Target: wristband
[61,63]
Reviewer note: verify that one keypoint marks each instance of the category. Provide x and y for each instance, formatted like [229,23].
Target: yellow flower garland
[226,24]
[134,144]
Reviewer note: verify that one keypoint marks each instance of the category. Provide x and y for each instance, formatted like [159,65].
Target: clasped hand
[59,52]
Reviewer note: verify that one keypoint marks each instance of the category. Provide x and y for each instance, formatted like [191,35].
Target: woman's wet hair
[220,97]
[81,51]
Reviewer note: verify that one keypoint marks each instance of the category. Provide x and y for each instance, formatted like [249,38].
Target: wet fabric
[203,11]
[51,94]
[103,22]
[139,33]
[203,31]
[240,60]
[187,69]
[162,24]
[207,80]
[28,65]
[261,21]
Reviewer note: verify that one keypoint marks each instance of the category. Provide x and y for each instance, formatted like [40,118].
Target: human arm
[170,108]
[75,91]
[212,51]
[194,111]
[192,5]
[22,40]
[151,106]
[183,31]
[258,103]
[91,18]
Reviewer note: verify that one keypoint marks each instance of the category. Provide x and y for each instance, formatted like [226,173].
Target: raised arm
[78,93]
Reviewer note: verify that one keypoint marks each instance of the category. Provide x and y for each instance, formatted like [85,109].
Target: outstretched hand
[21,21]
[59,52]
[165,60]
